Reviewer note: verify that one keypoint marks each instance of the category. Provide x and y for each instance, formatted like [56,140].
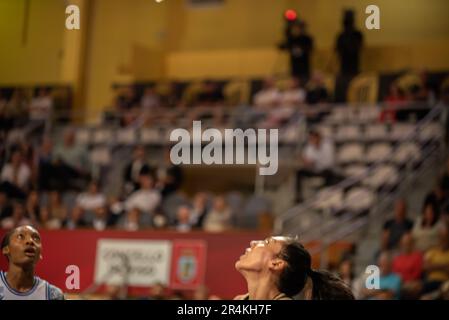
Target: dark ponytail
[293,279]
[327,286]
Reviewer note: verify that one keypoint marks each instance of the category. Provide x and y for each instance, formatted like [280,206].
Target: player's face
[260,255]
[24,246]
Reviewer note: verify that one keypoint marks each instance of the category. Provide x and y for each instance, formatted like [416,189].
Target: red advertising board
[188,267]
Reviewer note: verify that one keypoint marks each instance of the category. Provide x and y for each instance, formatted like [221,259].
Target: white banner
[133,262]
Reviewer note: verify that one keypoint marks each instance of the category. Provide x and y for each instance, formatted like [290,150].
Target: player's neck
[261,287]
[19,278]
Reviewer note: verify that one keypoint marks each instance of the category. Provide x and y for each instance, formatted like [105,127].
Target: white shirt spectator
[90,202]
[267,97]
[218,221]
[293,97]
[145,200]
[19,177]
[425,238]
[40,108]
[322,157]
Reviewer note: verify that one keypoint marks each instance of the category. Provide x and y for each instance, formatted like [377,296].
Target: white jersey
[41,290]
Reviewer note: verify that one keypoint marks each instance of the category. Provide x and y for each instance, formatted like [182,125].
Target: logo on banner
[189,264]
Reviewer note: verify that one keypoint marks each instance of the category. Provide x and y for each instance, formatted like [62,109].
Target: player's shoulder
[54,293]
[242,297]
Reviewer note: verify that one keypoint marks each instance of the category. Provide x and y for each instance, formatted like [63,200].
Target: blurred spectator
[395,228]
[346,272]
[199,210]
[389,282]
[134,169]
[269,96]
[316,90]
[17,107]
[127,99]
[57,210]
[295,94]
[426,228]
[318,159]
[130,221]
[158,292]
[395,99]
[160,220]
[170,176]
[299,45]
[150,100]
[183,219]
[76,219]
[210,94]
[436,263]
[40,108]
[71,162]
[349,45]
[146,199]
[92,199]
[15,176]
[436,197]
[408,264]
[47,178]
[219,218]
[33,207]
[101,218]
[201,293]
[18,217]
[5,206]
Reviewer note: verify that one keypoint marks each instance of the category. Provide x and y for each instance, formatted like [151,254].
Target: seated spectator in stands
[5,206]
[150,99]
[146,199]
[426,228]
[56,209]
[131,220]
[219,218]
[199,210]
[160,220]
[445,179]
[33,207]
[6,120]
[436,263]
[92,199]
[71,162]
[318,160]
[75,220]
[395,99]
[134,169]
[395,228]
[210,94]
[269,96]
[101,218]
[15,176]
[316,90]
[127,99]
[294,95]
[408,264]
[389,282]
[183,219]
[41,106]
[47,178]
[17,107]
[18,217]
[346,272]
[170,176]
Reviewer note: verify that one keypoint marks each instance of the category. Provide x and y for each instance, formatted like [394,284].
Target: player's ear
[5,251]
[277,264]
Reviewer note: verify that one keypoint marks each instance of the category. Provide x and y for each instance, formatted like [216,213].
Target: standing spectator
[316,90]
[219,218]
[134,169]
[349,45]
[426,228]
[318,160]
[395,228]
[269,96]
[389,282]
[436,263]
[15,175]
[92,199]
[299,45]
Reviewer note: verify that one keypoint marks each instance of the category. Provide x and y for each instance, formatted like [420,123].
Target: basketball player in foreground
[22,247]
[279,268]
